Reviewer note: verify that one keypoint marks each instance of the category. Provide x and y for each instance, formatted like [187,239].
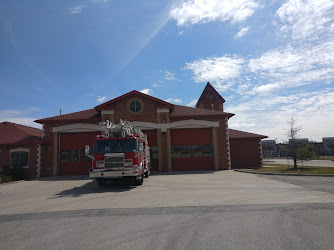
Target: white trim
[193,124]
[38,170]
[228,144]
[43,130]
[19,150]
[82,127]
[176,125]
[78,127]
[145,125]
[162,110]
[261,153]
[107,112]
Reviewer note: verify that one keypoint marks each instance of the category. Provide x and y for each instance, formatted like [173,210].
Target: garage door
[152,142]
[191,149]
[73,160]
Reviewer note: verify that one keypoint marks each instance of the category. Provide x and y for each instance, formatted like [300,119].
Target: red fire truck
[121,153]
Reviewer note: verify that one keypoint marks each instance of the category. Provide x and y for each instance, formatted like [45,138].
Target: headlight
[128,163]
[100,164]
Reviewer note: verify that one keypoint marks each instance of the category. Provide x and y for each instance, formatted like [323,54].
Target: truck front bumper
[112,174]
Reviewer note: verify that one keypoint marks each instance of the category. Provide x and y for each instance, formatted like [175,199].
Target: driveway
[314,163]
[201,210]
[201,189]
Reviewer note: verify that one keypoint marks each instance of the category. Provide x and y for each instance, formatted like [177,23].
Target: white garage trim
[145,125]
[107,112]
[77,127]
[82,127]
[193,124]
[175,125]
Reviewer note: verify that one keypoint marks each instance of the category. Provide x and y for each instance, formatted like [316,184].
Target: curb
[268,173]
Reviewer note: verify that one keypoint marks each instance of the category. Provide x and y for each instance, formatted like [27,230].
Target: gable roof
[207,90]
[183,111]
[12,133]
[81,116]
[109,104]
[237,134]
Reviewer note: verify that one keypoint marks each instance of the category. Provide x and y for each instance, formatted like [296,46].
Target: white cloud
[306,18]
[180,33]
[20,116]
[314,111]
[147,91]
[203,11]
[101,98]
[216,69]
[76,9]
[157,84]
[192,103]
[169,75]
[171,100]
[290,67]
[242,32]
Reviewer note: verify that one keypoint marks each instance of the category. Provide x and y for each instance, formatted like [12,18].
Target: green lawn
[327,158]
[278,168]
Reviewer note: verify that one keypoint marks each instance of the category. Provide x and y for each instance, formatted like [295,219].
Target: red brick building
[181,138]
[21,147]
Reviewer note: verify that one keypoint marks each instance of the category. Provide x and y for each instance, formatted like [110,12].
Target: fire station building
[180,138]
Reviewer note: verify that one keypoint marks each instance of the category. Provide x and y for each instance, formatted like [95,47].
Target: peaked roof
[207,90]
[81,116]
[237,134]
[183,111]
[109,104]
[12,133]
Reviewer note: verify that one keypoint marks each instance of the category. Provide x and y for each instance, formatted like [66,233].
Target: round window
[135,106]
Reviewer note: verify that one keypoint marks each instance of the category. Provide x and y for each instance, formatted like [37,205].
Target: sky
[269,59]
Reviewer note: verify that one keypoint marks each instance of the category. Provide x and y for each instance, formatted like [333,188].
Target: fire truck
[121,153]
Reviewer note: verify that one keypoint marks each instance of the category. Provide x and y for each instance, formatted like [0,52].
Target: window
[65,156]
[19,159]
[73,155]
[135,106]
[194,151]
[115,146]
[154,152]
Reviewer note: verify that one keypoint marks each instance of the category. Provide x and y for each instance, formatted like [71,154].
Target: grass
[278,168]
[327,158]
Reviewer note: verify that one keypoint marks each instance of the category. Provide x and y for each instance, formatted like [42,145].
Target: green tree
[305,153]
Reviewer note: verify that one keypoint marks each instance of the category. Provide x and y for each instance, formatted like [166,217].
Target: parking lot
[192,210]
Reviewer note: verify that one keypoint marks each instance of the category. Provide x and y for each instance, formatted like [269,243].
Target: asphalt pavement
[206,210]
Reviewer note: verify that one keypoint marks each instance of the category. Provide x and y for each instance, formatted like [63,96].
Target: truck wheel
[140,181]
[148,172]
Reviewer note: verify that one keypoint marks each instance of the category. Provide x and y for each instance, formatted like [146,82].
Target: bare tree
[292,134]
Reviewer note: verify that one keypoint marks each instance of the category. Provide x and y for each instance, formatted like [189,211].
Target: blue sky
[269,60]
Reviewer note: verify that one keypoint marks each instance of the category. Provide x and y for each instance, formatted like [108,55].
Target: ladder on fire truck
[123,129]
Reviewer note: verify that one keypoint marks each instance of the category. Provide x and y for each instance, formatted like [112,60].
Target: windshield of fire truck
[115,146]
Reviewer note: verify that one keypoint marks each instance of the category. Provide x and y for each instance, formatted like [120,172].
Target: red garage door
[191,149]
[152,142]
[73,160]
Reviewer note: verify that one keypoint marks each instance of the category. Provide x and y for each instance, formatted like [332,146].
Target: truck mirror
[87,150]
[141,147]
